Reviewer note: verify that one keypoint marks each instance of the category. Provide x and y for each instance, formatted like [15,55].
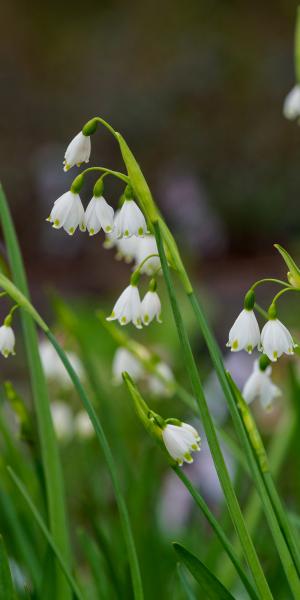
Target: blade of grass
[139,402]
[6,584]
[63,565]
[253,509]
[25,549]
[49,450]
[209,584]
[229,493]
[227,545]
[184,582]
[259,466]
[25,304]
[124,516]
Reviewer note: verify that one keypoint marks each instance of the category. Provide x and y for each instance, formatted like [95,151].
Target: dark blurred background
[196,89]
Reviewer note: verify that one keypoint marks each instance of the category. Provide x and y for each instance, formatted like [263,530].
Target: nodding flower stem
[268,280]
[91,126]
[286,289]
[8,319]
[140,266]
[105,172]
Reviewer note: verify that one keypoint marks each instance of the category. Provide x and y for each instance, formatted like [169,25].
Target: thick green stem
[49,449]
[229,493]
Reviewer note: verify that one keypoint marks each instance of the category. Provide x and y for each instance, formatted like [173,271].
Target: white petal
[151,307]
[7,341]
[244,334]
[291,106]
[128,308]
[78,151]
[276,339]
[91,219]
[105,214]
[145,247]
[131,220]
[125,361]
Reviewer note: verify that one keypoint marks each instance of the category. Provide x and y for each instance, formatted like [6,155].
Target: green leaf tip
[211,587]
[293,274]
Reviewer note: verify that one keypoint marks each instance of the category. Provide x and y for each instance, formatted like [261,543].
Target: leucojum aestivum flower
[134,229]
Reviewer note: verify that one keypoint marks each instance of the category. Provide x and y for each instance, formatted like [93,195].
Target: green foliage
[6,585]
[208,583]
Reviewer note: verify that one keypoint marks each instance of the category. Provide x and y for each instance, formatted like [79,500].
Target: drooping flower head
[131,220]
[180,440]
[78,151]
[7,338]
[125,361]
[291,105]
[151,305]
[161,383]
[259,384]
[62,420]
[126,248]
[275,337]
[99,214]
[128,307]
[245,334]
[83,427]
[54,369]
[145,247]
[68,211]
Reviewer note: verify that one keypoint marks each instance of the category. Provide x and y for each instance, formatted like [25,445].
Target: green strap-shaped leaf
[64,567]
[211,587]
[6,584]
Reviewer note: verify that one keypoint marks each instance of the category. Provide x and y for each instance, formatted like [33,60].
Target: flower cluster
[274,339]
[129,307]
[125,229]
[68,213]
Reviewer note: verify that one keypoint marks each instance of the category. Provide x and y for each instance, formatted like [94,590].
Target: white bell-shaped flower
[63,420]
[276,340]
[145,247]
[111,238]
[291,105]
[126,248]
[161,383]
[180,440]
[260,386]
[78,151]
[244,333]
[131,220]
[128,307]
[125,361]
[83,427]
[151,307]
[54,369]
[99,215]
[7,340]
[68,213]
